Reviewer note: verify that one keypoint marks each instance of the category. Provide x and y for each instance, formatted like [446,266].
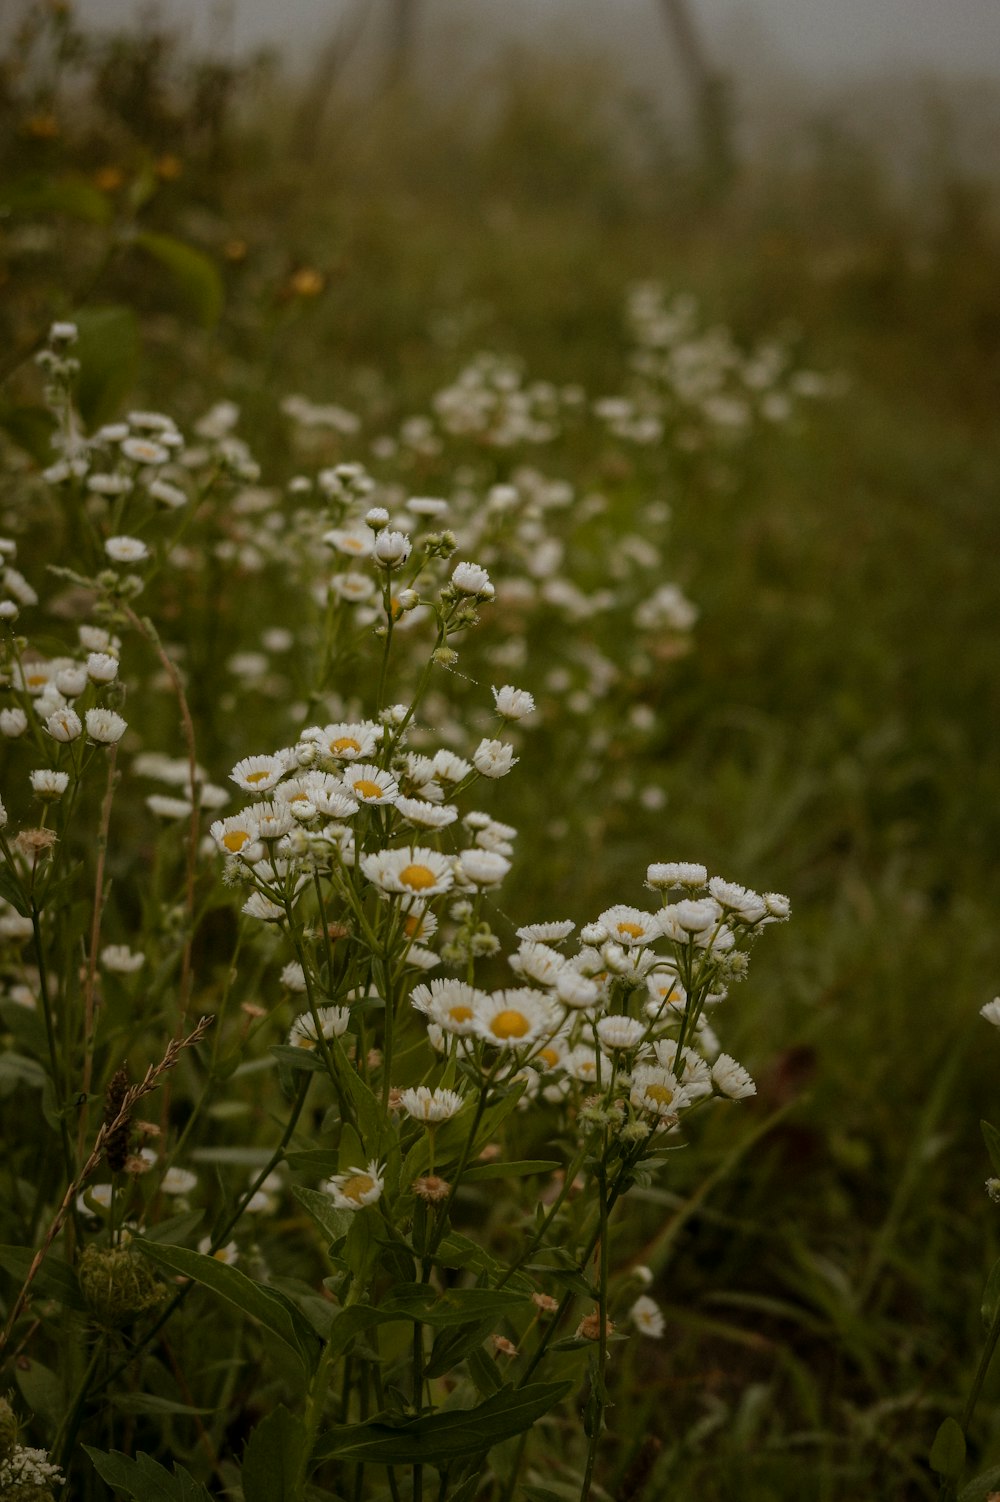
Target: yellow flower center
[305,1042]
[356,1187]
[549,1056]
[258,776]
[460,1013]
[412,926]
[417,877]
[352,544]
[35,680]
[344,743]
[221,1255]
[365,788]
[633,930]
[661,1094]
[509,1024]
[235,840]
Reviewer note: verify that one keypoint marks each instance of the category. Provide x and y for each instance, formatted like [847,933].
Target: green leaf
[299,1058]
[108,351]
[194,275]
[16,1069]
[457,1306]
[275,1459]
[992,1139]
[948,1450]
[41,1389]
[486,1171]
[55,1279]
[333,1223]
[31,428]
[12,891]
[461,1343]
[991,1296]
[149,1403]
[439,1438]
[144,1479]
[26,1027]
[56,195]
[273,1310]
[316,1160]
[980,1487]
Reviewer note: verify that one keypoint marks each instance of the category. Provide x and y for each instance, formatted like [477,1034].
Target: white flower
[179,1181]
[513,703]
[991,1011]
[227,1254]
[356,1187]
[647,1317]
[121,960]
[332,1021]
[145,451]
[778,906]
[576,990]
[746,904]
[493,758]
[428,1105]
[369,784]
[105,726]
[237,835]
[426,505]
[168,808]
[49,786]
[13,723]
[448,767]
[656,1091]
[426,815]
[482,868]
[618,1032]
[731,1079]
[102,667]
[692,916]
[345,741]
[472,579]
[538,962]
[63,333]
[259,906]
[629,925]
[357,543]
[516,1018]
[126,549]
[392,549]
[451,1004]
[412,871]
[547,933]
[168,495]
[665,874]
[352,587]
[64,725]
[256,774]
[71,681]
[28,1472]
[3,815]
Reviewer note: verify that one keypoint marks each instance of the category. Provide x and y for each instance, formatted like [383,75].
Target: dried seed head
[117,1284]
[431,1188]
[116,1144]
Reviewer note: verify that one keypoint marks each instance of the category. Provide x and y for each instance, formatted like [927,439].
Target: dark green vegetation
[833,734]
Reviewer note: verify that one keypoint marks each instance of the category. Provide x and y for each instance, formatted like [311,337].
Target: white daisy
[647,1316]
[656,1091]
[121,960]
[547,933]
[665,874]
[332,1021]
[411,871]
[256,774]
[514,1018]
[426,815]
[493,758]
[513,703]
[48,785]
[105,726]
[369,784]
[629,926]
[731,1079]
[126,549]
[355,542]
[357,1187]
[237,834]
[450,1004]
[618,1032]
[482,868]
[424,1104]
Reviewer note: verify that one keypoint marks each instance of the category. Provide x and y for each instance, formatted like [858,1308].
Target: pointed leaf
[486,1171]
[333,1223]
[440,1438]
[275,1459]
[980,1487]
[991,1296]
[108,351]
[274,1310]
[144,1479]
[56,195]
[55,1279]
[992,1139]
[194,275]
[948,1450]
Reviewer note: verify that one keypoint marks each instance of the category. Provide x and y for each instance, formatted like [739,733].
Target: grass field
[826,729]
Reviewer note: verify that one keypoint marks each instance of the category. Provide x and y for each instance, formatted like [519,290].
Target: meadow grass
[831,734]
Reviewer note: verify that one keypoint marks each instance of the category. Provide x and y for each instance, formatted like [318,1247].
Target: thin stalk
[90,982]
[598,1396]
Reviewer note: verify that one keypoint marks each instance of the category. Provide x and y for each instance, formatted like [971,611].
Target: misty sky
[817,36]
